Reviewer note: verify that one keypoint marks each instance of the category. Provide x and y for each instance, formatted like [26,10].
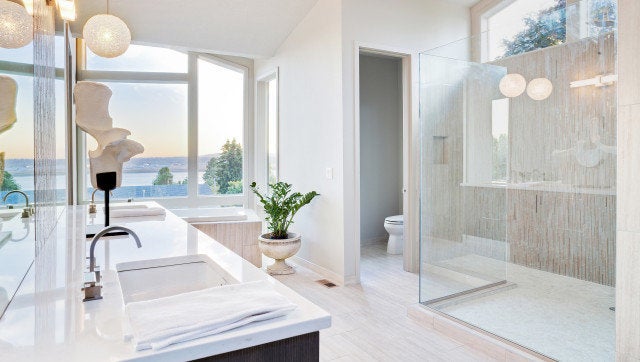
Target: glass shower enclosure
[518,194]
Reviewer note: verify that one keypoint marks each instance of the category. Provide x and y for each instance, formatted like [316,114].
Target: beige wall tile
[628,300]
[629,168]
[628,52]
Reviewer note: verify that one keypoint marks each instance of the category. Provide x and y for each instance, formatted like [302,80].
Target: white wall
[380,144]
[406,25]
[316,65]
[310,73]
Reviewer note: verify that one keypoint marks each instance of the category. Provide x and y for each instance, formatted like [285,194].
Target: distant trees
[549,27]
[164,177]
[223,173]
[545,29]
[9,183]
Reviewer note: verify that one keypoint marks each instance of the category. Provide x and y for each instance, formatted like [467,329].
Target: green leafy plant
[281,206]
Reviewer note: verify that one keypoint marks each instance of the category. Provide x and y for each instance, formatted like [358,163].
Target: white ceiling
[251,28]
[463,2]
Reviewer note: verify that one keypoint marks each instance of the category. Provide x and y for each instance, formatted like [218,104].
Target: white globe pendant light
[539,89]
[16,25]
[106,35]
[512,85]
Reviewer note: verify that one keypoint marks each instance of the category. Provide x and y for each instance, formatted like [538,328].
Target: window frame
[262,125]
[190,78]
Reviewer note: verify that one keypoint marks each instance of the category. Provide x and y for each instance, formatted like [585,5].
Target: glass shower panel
[463,176]
[518,190]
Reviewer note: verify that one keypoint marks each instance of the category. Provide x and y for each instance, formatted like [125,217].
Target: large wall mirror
[16,167]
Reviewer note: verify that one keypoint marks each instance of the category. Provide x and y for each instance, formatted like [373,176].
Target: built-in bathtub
[217,214]
[234,227]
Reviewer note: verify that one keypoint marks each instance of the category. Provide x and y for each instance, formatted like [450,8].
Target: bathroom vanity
[47,319]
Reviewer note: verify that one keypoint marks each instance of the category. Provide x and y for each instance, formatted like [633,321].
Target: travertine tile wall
[568,232]
[44,120]
[628,238]
[241,237]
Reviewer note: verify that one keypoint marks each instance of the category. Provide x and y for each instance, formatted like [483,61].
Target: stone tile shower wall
[567,229]
[44,120]
[572,232]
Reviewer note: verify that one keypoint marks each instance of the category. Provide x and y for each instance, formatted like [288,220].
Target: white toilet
[395,227]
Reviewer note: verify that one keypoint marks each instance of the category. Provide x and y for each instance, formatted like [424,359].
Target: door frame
[410,152]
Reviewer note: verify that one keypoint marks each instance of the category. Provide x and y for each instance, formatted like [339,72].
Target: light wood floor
[369,320]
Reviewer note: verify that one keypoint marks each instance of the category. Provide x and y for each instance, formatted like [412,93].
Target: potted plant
[281,206]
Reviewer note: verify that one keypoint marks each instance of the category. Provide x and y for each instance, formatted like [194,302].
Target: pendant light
[512,85]
[16,25]
[539,89]
[106,35]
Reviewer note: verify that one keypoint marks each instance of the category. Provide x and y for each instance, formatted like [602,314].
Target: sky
[156,114]
[17,142]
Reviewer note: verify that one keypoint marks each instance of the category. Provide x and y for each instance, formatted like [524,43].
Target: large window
[156,115]
[267,122]
[518,26]
[188,111]
[221,107]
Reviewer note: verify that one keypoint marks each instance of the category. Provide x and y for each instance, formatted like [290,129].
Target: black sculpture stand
[106,181]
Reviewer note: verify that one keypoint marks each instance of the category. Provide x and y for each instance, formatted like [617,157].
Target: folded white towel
[158,323]
[137,212]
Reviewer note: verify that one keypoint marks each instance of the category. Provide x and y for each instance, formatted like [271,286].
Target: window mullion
[192,143]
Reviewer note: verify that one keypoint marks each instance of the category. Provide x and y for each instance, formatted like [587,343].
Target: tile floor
[370,322]
[565,318]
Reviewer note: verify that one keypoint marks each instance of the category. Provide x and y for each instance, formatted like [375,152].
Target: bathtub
[217,214]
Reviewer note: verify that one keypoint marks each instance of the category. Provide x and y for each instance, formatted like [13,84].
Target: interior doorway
[382,131]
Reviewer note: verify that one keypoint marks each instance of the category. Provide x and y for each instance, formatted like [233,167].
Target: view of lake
[137,172]
[128,179]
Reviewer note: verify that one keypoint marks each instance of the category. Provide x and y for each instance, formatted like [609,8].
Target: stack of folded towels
[158,323]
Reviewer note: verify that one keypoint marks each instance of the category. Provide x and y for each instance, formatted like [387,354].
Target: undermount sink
[157,278]
[8,214]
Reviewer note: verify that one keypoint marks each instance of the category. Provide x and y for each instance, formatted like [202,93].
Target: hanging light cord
[107,7]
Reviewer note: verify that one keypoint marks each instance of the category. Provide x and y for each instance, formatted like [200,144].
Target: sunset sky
[156,114]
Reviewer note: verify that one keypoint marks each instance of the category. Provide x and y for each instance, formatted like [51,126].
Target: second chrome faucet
[92,284]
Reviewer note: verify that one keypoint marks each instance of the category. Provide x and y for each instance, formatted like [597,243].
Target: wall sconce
[67,9]
[28,4]
[512,85]
[539,89]
[597,81]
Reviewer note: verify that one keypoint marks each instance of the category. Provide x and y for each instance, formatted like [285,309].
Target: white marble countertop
[47,319]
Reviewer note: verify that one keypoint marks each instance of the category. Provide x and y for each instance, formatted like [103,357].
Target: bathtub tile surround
[239,236]
[628,247]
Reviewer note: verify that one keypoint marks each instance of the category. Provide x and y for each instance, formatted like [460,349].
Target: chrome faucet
[92,206]
[92,286]
[26,212]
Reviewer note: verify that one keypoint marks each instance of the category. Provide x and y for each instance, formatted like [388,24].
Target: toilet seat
[394,220]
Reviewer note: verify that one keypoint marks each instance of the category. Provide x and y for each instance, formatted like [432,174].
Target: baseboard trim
[493,346]
[324,272]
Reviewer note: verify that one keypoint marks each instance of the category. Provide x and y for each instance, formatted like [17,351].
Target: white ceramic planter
[280,250]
